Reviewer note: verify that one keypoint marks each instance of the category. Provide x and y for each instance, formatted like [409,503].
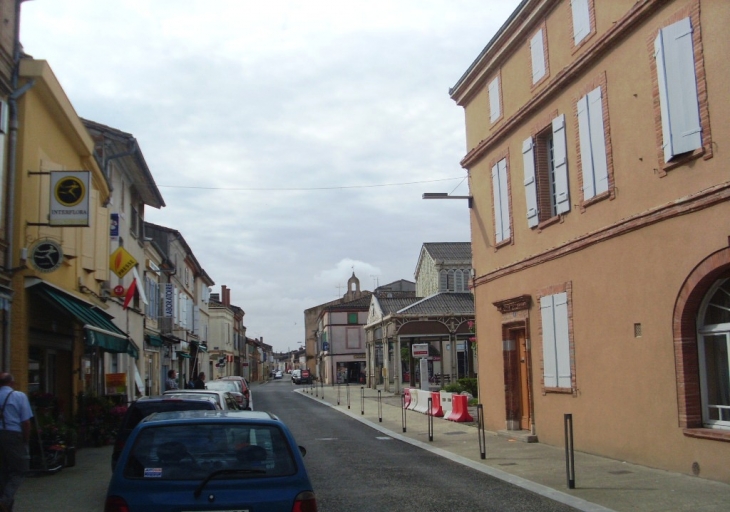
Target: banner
[168,300]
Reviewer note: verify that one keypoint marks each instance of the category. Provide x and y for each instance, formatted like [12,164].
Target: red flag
[130,294]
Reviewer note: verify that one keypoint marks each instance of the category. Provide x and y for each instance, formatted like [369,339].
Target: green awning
[199,346]
[98,326]
[154,341]
[184,355]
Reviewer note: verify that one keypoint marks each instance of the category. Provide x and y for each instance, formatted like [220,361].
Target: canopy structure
[99,329]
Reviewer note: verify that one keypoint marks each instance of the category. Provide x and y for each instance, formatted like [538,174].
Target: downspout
[12,157]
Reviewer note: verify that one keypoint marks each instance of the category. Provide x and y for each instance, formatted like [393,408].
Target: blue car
[211,460]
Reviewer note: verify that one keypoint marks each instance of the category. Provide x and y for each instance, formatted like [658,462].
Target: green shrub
[469,385]
[453,388]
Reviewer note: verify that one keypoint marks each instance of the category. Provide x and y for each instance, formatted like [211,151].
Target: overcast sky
[291,140]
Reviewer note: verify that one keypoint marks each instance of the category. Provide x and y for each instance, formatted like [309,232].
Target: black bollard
[362,400]
[430,419]
[348,395]
[403,411]
[569,452]
[480,432]
[380,408]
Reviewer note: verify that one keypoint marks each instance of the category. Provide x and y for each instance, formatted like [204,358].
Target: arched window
[458,281]
[450,286]
[713,336]
[443,281]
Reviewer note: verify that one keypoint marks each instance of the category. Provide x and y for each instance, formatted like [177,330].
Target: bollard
[321,389]
[338,393]
[403,412]
[430,419]
[362,400]
[480,432]
[316,391]
[380,408]
[569,452]
[348,394]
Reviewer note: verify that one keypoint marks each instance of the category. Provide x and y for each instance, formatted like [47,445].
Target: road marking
[384,438]
[326,439]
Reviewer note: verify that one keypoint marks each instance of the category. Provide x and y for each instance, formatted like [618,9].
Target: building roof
[393,305]
[449,251]
[402,285]
[361,304]
[446,303]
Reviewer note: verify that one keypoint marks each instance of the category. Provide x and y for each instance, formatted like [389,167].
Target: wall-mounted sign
[168,304]
[46,255]
[121,262]
[114,225]
[69,198]
[118,291]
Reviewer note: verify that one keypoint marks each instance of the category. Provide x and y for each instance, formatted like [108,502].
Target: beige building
[599,227]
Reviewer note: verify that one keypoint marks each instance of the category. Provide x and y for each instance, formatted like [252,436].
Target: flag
[130,293]
[140,286]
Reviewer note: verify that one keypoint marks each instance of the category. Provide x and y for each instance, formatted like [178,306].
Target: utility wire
[310,188]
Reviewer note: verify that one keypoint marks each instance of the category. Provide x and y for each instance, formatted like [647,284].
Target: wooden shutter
[528,159]
[498,233]
[560,158]
[550,365]
[562,339]
[538,57]
[494,111]
[581,20]
[592,144]
[674,54]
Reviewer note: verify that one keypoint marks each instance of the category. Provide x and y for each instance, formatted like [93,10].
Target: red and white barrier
[436,410]
[423,397]
[446,403]
[414,399]
[460,411]
[406,398]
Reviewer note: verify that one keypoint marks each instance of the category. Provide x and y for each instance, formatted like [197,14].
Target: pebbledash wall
[634,262]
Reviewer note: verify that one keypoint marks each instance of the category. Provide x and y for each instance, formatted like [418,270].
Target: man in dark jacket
[200,381]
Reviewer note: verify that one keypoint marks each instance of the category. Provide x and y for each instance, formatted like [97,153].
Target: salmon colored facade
[600,235]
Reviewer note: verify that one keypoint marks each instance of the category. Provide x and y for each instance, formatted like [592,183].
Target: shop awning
[153,340]
[184,355]
[98,326]
[199,346]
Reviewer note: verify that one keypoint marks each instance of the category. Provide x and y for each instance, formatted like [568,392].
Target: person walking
[171,381]
[200,381]
[15,414]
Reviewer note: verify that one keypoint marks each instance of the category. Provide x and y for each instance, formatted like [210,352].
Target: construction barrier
[436,405]
[406,398]
[414,399]
[460,411]
[423,397]
[446,403]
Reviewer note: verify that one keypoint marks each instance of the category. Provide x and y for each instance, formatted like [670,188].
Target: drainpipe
[12,156]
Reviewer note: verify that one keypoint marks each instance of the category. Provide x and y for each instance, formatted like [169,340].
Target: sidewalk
[601,484]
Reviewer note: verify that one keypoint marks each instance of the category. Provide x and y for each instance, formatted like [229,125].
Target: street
[352,467]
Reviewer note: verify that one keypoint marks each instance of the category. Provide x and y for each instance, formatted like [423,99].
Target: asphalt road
[357,469]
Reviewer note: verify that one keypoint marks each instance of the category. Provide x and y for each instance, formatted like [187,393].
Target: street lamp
[444,195]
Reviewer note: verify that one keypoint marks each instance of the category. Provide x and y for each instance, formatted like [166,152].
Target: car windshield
[194,451]
[201,394]
[223,385]
[141,410]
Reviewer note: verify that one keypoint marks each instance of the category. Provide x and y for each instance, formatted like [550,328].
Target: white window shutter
[538,57]
[674,53]
[550,368]
[598,140]
[176,306]
[498,233]
[3,132]
[586,152]
[504,199]
[581,20]
[196,321]
[528,159]
[443,281]
[560,157]
[494,110]
[458,281]
[562,339]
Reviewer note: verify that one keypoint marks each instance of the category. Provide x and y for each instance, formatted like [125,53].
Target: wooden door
[523,355]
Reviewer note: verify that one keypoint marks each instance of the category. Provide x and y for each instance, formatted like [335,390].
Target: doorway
[517,379]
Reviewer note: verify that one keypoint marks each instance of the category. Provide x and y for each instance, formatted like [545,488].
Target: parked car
[140,409]
[306,377]
[224,399]
[245,388]
[278,375]
[230,386]
[296,376]
[205,460]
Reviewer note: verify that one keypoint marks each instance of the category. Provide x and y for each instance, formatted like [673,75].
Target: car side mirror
[303,450]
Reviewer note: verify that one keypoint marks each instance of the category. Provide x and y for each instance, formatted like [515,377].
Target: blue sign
[326,346]
[114,225]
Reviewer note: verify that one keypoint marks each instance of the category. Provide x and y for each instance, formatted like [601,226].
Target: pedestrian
[171,381]
[15,414]
[200,381]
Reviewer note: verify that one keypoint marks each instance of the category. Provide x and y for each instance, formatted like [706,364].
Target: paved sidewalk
[601,484]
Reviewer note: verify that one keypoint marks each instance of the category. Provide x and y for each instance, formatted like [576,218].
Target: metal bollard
[338,393]
[430,419]
[348,395]
[316,391]
[362,400]
[480,432]
[403,411]
[321,389]
[380,408]
[569,452]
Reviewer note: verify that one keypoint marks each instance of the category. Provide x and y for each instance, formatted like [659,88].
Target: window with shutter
[554,315]
[677,82]
[500,194]
[537,51]
[592,144]
[495,111]
[581,20]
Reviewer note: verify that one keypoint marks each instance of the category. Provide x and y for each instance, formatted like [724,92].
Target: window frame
[584,11]
[494,90]
[557,353]
[540,66]
[501,202]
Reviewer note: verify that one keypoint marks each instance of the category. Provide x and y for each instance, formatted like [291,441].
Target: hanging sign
[69,198]
[121,262]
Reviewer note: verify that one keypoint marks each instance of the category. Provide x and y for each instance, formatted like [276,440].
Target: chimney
[226,295]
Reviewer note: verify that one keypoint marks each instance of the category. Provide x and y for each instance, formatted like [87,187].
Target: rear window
[193,451]
[223,385]
[140,410]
